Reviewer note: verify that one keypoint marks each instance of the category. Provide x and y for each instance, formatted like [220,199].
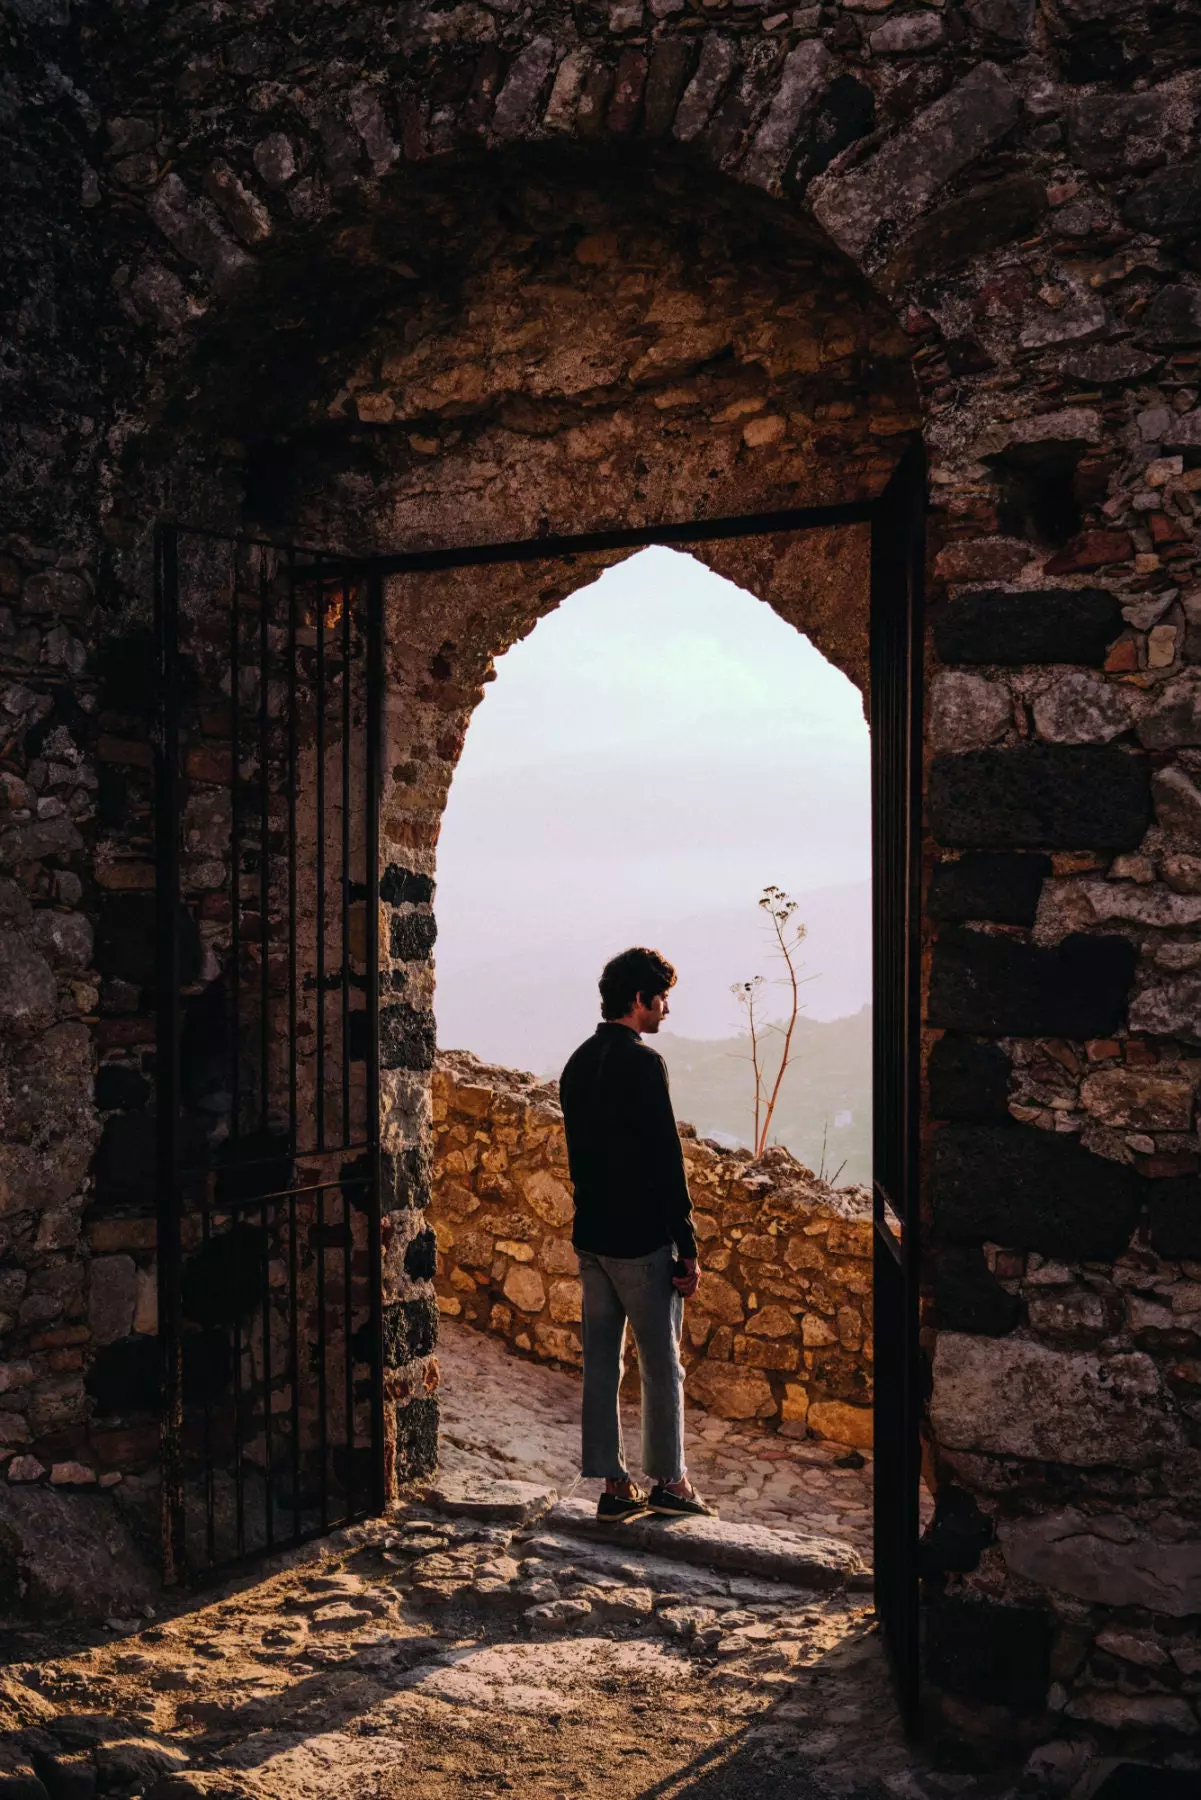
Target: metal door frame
[897,521]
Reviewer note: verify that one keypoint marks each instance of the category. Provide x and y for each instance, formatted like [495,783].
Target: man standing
[633,1235]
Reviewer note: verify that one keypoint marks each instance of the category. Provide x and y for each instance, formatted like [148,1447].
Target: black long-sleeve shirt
[631,1192]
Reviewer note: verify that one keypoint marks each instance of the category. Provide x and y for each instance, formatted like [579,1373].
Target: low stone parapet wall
[780,1331]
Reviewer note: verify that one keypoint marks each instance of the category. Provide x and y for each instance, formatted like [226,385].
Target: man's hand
[690,1280]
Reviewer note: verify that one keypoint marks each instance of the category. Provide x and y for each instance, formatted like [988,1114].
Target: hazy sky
[647,760]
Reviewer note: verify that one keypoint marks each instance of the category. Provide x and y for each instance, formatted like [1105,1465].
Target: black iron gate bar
[255,1191]
[896,518]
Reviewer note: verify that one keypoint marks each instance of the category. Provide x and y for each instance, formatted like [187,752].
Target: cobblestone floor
[421,1657]
[521,1419]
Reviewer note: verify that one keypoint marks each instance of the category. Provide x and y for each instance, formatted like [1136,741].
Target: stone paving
[519,1418]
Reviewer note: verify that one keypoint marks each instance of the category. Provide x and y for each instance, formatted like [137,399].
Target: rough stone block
[1051,625]
[112,1296]
[401,887]
[411,936]
[1175,718]
[1142,1099]
[865,208]
[800,1558]
[807,70]
[731,1393]
[1110,132]
[1000,888]
[982,1651]
[1008,1397]
[1032,1190]
[406,1037]
[1105,1559]
[416,1438]
[840,1423]
[967,712]
[1166,203]
[1000,987]
[491,1501]
[1082,709]
[1041,797]
[70,1555]
[968,1081]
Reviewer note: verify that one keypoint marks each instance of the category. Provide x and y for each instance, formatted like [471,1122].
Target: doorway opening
[661,748]
[400,1052]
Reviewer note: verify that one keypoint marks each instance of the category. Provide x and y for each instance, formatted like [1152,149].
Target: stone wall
[780,1331]
[392,277]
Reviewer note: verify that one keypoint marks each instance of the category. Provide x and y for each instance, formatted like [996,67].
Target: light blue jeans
[637,1290]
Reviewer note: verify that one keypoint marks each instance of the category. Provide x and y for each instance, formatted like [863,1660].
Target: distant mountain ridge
[824,1114]
[530,1004]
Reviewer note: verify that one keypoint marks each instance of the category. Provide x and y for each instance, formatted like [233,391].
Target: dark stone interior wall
[246,260]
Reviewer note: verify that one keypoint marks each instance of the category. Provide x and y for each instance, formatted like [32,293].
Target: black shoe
[679,1506]
[621,1506]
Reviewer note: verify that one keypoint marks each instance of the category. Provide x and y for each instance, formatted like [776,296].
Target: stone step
[801,1559]
[490,1499]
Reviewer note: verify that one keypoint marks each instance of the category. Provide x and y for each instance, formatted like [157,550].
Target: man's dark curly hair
[637,974]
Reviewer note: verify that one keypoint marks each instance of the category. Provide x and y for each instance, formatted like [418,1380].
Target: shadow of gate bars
[269,1176]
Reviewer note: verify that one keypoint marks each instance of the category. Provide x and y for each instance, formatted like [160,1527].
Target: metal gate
[897,569]
[264,1164]
[267,1070]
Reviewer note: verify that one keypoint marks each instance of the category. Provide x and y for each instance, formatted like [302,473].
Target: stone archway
[1022,182]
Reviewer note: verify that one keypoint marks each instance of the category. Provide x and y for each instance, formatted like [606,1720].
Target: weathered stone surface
[406,1038]
[1178,804]
[1082,709]
[1173,318]
[999,987]
[525,1288]
[863,208]
[967,712]
[1168,201]
[1010,1398]
[791,1556]
[1041,440]
[1081,904]
[730,1392]
[491,1501]
[844,1424]
[1001,888]
[112,1296]
[27,987]
[968,1081]
[69,1554]
[64,938]
[1141,1098]
[1029,625]
[1042,796]
[1175,718]
[1104,1559]
[1033,1190]
[549,1197]
[718,58]
[1169,1009]
[807,70]
[1111,133]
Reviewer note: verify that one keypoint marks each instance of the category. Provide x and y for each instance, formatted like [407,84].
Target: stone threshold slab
[802,1560]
